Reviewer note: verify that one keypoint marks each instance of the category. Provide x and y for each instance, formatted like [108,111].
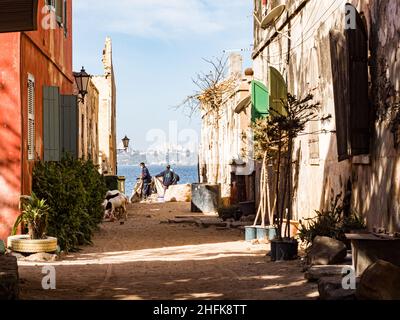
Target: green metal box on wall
[115,183]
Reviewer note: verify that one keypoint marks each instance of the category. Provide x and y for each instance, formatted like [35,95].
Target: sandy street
[148,259]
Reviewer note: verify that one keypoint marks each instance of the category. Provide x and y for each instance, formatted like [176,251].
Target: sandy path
[146,259]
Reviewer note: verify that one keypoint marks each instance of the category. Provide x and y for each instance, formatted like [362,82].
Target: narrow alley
[149,259]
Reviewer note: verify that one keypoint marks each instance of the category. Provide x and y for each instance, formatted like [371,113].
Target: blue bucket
[251,233]
[267,233]
[262,233]
[272,233]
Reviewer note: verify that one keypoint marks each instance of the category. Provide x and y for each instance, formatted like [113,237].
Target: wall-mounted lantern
[82,82]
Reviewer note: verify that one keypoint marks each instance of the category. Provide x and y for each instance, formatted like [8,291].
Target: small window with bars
[31,117]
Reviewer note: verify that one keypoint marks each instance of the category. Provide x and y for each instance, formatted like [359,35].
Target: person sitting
[169,178]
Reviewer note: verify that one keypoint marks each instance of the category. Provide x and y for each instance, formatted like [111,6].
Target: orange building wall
[10,130]
[47,55]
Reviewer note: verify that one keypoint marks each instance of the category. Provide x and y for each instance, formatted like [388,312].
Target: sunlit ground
[145,259]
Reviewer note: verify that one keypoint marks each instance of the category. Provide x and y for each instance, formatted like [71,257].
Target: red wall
[10,130]
[47,55]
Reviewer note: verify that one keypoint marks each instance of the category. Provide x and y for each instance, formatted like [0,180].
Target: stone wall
[9,287]
[301,52]
[107,112]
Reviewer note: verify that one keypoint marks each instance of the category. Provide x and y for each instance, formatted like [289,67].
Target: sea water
[187,174]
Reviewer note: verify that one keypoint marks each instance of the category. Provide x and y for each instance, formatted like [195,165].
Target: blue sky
[158,47]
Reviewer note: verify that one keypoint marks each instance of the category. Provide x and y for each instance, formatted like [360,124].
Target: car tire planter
[23,244]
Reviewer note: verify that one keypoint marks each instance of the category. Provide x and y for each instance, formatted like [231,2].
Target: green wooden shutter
[69,125]
[260,101]
[278,90]
[341,94]
[51,123]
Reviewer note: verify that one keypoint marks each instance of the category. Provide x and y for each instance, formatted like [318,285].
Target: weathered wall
[47,55]
[223,136]
[88,143]
[306,64]
[107,111]
[10,130]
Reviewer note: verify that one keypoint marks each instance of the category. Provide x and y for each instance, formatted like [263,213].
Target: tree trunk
[278,174]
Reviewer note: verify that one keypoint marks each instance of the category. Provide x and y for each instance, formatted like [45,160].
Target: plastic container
[284,250]
[250,233]
[262,233]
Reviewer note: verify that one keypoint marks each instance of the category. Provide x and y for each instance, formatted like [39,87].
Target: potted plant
[33,217]
[275,137]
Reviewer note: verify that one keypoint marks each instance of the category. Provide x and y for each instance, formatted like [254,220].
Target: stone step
[331,288]
[317,272]
[9,289]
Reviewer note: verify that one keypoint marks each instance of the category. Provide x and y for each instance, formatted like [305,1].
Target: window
[31,117]
[51,4]
[59,7]
[65,17]
[349,58]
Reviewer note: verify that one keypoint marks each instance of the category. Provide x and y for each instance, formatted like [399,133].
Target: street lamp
[125,141]
[82,82]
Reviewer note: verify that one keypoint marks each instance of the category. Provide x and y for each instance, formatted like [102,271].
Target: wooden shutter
[18,15]
[65,17]
[360,110]
[31,118]
[278,90]
[51,124]
[59,11]
[260,100]
[69,125]
[340,89]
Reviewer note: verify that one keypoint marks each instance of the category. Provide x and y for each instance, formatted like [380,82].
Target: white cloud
[166,19]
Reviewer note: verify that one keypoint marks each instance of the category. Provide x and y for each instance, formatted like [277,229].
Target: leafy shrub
[74,190]
[332,223]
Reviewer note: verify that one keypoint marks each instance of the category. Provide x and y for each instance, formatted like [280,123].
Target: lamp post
[82,82]
[125,142]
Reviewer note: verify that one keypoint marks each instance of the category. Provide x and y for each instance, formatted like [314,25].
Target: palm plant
[34,215]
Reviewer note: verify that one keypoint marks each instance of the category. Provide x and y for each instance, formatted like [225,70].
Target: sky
[158,48]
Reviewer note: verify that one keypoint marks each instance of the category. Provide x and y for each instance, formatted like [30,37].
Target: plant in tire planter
[275,137]
[34,216]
